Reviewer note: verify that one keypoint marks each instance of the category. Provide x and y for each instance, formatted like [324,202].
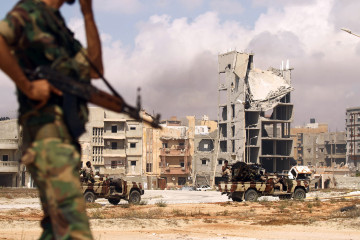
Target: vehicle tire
[251,195]
[134,197]
[299,194]
[114,201]
[89,197]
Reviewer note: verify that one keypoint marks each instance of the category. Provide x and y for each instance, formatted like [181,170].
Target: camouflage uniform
[52,154]
[88,174]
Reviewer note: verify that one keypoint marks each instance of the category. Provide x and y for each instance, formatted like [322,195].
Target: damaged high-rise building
[254,113]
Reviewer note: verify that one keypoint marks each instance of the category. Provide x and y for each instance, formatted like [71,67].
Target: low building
[12,172]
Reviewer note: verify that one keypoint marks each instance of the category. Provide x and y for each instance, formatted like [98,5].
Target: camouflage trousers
[53,161]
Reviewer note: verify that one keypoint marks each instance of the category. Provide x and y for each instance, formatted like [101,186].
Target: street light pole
[350,32]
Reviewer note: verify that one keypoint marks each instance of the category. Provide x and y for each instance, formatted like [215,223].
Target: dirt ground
[323,215]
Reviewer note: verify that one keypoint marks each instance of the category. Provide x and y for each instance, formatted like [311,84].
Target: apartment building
[204,160]
[353,136]
[113,143]
[177,150]
[297,134]
[315,146]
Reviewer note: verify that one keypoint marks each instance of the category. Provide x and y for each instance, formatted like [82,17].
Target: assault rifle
[72,88]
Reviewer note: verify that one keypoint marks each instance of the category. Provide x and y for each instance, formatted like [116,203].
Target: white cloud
[174,60]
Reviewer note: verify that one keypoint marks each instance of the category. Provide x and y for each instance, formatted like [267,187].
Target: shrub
[161,203]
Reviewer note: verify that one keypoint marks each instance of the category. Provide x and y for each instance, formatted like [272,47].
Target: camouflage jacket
[32,31]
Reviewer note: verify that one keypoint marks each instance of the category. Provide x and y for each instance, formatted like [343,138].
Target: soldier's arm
[36,90]
[92,38]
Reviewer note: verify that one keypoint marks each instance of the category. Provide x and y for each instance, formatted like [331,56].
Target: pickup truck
[293,185]
[112,189]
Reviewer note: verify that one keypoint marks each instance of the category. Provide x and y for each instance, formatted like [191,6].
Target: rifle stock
[93,95]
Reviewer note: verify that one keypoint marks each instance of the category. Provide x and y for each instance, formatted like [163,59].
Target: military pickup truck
[113,190]
[294,184]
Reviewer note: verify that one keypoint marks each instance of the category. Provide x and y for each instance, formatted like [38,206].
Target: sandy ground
[200,215]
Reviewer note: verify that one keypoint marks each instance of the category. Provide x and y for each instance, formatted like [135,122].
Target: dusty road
[199,215]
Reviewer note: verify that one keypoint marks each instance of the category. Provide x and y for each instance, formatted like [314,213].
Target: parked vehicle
[112,189]
[295,184]
[203,188]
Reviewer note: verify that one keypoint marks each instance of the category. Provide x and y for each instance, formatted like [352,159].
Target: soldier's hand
[86,6]
[40,90]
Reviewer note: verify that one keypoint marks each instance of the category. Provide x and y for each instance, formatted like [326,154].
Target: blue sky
[170,48]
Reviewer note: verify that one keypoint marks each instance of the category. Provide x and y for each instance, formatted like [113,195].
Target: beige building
[297,134]
[113,143]
[176,152]
[12,173]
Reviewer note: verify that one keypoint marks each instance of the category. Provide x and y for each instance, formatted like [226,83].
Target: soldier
[88,172]
[226,170]
[33,34]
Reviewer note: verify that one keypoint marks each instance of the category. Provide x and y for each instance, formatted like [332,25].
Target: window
[148,167]
[113,145]
[114,129]
[220,162]
[113,164]
[181,180]
[132,128]
[181,144]
[182,164]
[132,145]
[165,145]
[203,162]
[206,146]
[133,163]
[5,158]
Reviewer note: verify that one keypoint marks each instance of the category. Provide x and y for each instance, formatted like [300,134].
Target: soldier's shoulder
[22,10]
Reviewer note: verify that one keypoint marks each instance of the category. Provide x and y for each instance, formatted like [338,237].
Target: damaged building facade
[254,113]
[353,137]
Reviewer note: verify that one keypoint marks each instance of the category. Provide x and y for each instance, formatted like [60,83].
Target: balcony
[117,135]
[9,166]
[174,152]
[174,171]
[114,152]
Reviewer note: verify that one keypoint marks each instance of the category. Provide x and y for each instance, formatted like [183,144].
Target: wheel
[134,197]
[89,197]
[114,201]
[299,194]
[251,195]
